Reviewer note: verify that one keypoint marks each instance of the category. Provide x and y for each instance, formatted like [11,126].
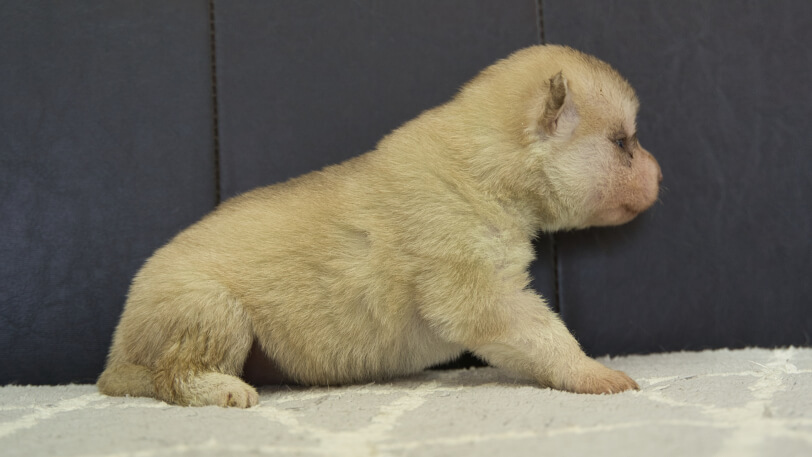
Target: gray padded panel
[309,83]
[726,258]
[105,153]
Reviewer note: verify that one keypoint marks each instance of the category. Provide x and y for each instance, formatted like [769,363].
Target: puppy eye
[623,143]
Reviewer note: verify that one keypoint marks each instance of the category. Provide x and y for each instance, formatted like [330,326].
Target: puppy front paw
[595,378]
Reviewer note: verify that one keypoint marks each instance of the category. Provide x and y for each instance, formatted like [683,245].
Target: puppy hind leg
[202,365]
[120,379]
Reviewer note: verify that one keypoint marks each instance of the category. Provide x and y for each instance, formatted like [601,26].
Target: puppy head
[555,128]
[580,134]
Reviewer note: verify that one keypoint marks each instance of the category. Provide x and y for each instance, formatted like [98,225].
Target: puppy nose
[659,175]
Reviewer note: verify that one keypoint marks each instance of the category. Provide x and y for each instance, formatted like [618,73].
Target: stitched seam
[556,305]
[215,117]
[556,274]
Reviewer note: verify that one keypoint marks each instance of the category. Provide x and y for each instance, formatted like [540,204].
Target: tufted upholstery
[113,138]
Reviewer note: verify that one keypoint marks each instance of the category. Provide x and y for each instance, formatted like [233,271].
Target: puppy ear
[559,117]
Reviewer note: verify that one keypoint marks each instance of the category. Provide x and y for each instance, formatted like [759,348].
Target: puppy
[403,257]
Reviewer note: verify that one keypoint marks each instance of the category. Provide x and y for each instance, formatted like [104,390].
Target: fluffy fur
[403,257]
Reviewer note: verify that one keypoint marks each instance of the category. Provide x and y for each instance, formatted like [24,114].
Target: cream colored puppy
[403,257]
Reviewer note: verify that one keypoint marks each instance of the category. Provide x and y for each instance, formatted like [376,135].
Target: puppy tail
[123,379]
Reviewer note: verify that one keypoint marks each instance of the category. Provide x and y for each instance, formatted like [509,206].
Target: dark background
[122,123]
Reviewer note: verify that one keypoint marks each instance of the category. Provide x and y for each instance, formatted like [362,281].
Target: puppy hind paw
[220,390]
[238,398]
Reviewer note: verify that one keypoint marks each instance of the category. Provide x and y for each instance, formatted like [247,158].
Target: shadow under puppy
[403,257]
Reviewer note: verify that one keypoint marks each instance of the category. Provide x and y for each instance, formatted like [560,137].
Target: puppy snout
[655,163]
[656,166]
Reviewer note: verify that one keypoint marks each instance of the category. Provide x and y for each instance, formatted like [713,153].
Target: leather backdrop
[123,122]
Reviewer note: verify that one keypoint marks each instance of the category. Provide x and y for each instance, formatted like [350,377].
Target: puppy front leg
[517,332]
[538,344]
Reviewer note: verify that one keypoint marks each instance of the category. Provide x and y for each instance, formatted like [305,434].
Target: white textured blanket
[738,403]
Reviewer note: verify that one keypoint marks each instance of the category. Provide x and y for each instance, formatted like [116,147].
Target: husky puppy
[403,257]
